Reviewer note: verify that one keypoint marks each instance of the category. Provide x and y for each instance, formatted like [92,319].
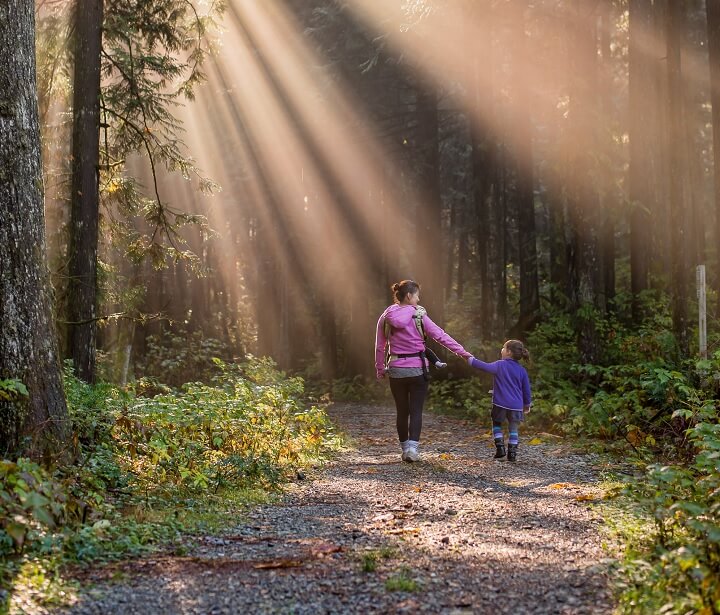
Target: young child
[511,394]
[433,358]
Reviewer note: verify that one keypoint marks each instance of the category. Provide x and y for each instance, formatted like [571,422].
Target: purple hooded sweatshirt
[406,339]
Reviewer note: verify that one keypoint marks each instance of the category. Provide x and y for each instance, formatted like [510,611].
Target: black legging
[409,394]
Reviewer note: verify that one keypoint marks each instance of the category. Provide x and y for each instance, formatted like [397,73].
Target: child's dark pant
[409,394]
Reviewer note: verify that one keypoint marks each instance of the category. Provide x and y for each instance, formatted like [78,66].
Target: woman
[401,328]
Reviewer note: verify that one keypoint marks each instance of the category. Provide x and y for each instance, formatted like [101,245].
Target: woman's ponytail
[401,289]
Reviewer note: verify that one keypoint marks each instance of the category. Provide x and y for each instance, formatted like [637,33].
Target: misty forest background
[520,160]
[227,183]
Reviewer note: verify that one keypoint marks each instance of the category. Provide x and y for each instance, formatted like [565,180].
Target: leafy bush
[248,429]
[177,357]
[679,572]
[31,505]
[238,431]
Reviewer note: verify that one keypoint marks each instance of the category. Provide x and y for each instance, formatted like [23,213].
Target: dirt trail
[456,533]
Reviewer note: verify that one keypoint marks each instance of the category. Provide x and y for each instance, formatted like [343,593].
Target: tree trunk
[661,229]
[641,82]
[82,288]
[28,346]
[713,26]
[608,204]
[583,205]
[676,159]
[483,160]
[451,250]
[428,259]
[523,154]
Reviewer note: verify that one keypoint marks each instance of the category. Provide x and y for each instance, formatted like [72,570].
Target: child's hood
[400,316]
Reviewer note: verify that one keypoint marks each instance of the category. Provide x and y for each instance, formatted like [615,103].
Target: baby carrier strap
[387,330]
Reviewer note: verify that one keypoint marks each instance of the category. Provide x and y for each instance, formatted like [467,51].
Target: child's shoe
[512,452]
[499,449]
[440,364]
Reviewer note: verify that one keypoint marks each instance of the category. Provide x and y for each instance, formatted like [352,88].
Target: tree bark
[38,424]
[641,83]
[523,154]
[608,204]
[483,160]
[713,26]
[84,195]
[583,204]
[428,259]
[676,159]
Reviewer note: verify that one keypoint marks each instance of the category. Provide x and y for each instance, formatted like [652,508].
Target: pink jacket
[406,339]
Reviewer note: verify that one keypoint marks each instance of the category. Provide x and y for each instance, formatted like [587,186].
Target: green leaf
[16,531]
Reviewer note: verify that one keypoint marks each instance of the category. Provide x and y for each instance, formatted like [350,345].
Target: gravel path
[455,533]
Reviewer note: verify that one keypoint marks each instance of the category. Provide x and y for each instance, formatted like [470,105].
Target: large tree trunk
[676,158]
[713,25]
[523,153]
[483,161]
[82,288]
[28,346]
[428,259]
[583,205]
[608,203]
[641,83]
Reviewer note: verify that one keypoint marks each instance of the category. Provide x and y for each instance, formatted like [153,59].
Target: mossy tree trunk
[36,424]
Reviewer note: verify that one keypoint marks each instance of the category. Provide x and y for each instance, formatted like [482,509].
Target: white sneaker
[411,452]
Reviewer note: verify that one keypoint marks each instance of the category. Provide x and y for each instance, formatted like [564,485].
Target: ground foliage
[147,466]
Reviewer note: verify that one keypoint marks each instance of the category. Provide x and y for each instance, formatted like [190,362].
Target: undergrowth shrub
[238,430]
[247,429]
[177,357]
[677,568]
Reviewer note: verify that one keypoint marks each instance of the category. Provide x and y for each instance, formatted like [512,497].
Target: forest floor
[457,532]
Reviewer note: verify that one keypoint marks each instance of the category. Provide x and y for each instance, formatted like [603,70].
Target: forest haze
[516,158]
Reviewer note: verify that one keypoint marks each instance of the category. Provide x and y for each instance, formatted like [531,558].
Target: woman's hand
[470,360]
[527,409]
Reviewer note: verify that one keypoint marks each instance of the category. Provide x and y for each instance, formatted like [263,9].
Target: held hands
[470,360]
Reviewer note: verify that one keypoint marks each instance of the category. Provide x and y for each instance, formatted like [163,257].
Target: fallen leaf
[404,530]
[586,497]
[325,549]
[560,486]
[535,441]
[384,517]
[278,563]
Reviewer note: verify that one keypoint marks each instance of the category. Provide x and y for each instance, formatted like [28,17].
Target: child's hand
[470,360]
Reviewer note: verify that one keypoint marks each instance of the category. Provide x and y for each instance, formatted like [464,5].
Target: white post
[702,311]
